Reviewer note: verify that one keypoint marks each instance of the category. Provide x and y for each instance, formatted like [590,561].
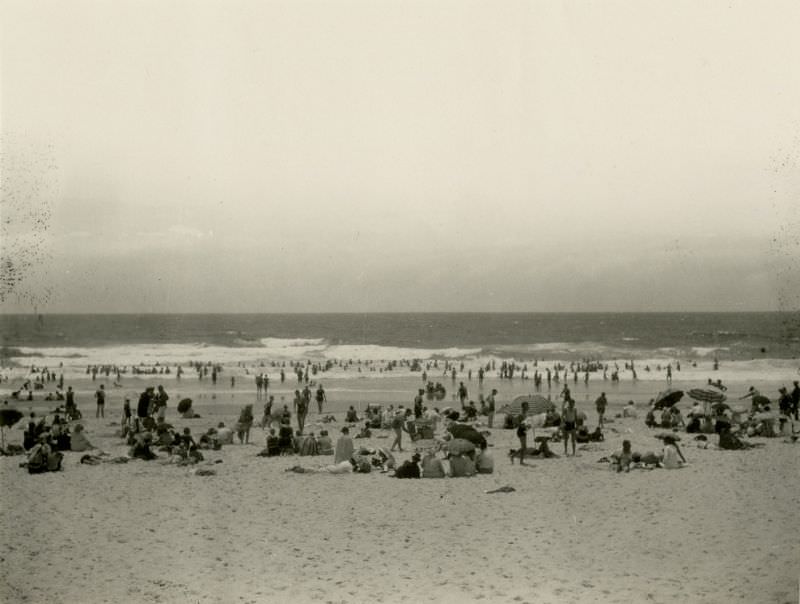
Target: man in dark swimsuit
[522,435]
[569,422]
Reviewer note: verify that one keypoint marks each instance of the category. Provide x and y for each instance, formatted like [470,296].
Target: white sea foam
[705,351]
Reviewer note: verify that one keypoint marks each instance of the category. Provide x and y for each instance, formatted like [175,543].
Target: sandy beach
[723,529]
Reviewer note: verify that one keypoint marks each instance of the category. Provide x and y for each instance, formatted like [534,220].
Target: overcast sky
[400,156]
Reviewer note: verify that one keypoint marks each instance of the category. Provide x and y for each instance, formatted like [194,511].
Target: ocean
[247,338]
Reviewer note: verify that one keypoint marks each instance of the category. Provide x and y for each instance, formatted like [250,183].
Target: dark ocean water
[521,335]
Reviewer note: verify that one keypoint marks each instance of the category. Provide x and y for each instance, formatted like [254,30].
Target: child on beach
[622,461]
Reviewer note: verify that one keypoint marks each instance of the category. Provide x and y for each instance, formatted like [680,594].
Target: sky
[368,156]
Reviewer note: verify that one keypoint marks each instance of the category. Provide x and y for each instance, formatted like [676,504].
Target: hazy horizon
[316,157]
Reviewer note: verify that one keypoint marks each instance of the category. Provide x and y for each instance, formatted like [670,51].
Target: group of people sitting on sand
[296,444]
[670,458]
[446,458]
[46,437]
[732,427]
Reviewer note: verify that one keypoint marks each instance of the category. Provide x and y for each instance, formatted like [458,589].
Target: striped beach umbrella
[706,396]
[536,404]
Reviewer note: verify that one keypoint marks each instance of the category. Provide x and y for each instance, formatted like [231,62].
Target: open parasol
[8,417]
[706,396]
[184,405]
[457,446]
[668,398]
[536,404]
[466,432]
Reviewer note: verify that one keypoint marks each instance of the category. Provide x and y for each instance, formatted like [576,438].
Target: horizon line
[404,312]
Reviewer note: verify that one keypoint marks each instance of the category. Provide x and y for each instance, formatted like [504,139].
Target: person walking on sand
[569,423]
[321,398]
[100,395]
[398,424]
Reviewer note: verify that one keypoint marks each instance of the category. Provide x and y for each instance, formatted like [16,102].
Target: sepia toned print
[399,302]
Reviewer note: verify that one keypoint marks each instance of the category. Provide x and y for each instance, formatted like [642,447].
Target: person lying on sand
[347,466]
[542,451]
[95,460]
